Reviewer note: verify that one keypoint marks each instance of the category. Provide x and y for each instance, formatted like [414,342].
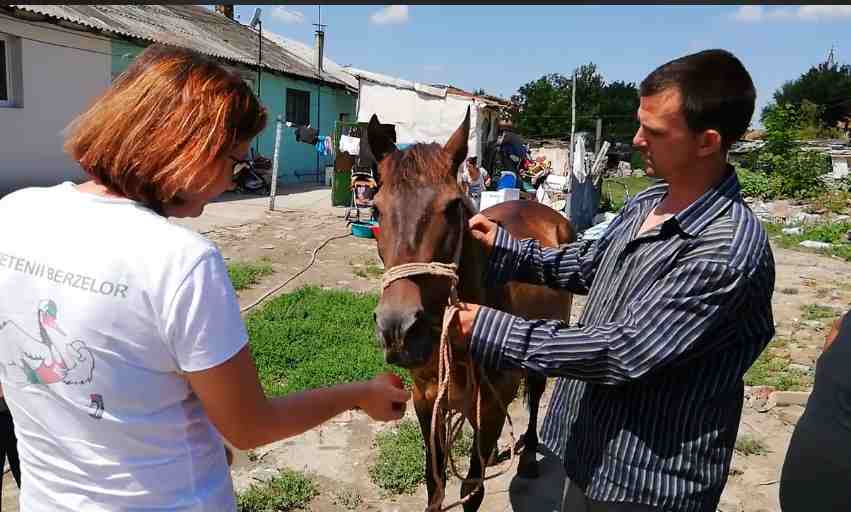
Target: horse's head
[423,216]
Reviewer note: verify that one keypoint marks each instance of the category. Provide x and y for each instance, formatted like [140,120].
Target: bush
[400,464]
[289,490]
[799,174]
[755,184]
[834,201]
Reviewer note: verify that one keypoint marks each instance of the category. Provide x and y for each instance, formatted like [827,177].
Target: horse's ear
[456,147]
[380,145]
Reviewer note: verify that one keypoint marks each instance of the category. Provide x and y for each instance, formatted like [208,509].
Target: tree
[827,85]
[542,107]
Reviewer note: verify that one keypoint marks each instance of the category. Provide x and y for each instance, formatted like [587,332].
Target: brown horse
[423,216]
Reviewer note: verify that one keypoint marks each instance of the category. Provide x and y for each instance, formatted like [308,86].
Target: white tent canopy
[423,113]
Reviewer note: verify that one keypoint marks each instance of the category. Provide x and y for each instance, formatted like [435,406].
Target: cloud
[826,12]
[757,13]
[748,13]
[281,13]
[392,14]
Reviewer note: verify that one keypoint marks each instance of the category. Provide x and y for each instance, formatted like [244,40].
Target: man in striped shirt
[647,407]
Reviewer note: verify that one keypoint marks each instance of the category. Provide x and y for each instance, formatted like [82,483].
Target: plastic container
[507,180]
[363,229]
[491,198]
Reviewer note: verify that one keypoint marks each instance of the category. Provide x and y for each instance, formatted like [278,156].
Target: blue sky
[502,47]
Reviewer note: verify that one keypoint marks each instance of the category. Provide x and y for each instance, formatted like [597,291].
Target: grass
[244,274]
[817,312]
[348,499]
[369,269]
[400,464]
[314,337]
[289,490]
[772,369]
[828,232]
[613,190]
[749,445]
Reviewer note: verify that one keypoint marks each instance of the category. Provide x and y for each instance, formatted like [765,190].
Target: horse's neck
[472,269]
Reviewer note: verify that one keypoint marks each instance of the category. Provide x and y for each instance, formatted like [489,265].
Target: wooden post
[273,189]
[599,135]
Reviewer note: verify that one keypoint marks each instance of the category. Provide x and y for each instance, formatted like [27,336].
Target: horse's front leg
[485,439]
[436,490]
[528,465]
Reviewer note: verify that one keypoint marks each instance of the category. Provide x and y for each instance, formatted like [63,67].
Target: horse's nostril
[394,326]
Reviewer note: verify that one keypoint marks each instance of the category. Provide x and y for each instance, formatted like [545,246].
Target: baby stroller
[248,180]
[363,186]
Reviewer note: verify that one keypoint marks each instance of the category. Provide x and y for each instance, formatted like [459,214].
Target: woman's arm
[834,331]
[238,407]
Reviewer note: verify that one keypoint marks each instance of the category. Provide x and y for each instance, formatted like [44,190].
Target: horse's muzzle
[405,335]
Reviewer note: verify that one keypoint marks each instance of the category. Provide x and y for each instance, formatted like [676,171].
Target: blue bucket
[507,180]
[363,229]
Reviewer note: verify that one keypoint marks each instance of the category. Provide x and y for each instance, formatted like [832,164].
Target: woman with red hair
[123,356]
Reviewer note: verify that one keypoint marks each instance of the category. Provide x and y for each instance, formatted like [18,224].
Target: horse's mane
[418,164]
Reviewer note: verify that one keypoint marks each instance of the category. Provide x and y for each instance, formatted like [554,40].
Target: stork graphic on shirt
[48,358]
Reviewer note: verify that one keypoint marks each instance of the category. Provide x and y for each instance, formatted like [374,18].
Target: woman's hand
[384,397]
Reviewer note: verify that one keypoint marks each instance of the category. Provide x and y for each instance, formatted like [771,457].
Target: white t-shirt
[474,187]
[103,304]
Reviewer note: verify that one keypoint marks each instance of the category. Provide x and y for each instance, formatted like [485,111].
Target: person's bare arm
[834,331]
[237,406]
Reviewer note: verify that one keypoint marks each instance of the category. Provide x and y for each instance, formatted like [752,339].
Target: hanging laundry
[350,145]
[323,145]
[329,146]
[305,134]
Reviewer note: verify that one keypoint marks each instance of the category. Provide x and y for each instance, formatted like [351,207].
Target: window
[298,107]
[10,89]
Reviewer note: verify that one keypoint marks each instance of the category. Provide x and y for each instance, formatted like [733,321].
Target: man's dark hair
[717,92]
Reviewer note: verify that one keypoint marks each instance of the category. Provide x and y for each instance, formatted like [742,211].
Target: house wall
[295,158]
[297,161]
[58,83]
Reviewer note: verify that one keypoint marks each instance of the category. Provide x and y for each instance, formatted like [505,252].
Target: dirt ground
[339,453]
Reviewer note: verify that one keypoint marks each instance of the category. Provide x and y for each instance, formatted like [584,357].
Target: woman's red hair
[156,131]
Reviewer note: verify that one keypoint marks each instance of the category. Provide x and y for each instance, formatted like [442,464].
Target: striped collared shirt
[649,398]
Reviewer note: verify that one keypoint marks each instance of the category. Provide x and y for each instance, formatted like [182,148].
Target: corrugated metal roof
[399,83]
[189,26]
[307,55]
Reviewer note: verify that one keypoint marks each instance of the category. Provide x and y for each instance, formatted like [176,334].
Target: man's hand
[484,230]
[384,397]
[466,316]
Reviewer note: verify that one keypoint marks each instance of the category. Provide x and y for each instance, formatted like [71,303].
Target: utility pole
[572,112]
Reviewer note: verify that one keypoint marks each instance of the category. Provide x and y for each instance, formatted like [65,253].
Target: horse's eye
[452,209]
